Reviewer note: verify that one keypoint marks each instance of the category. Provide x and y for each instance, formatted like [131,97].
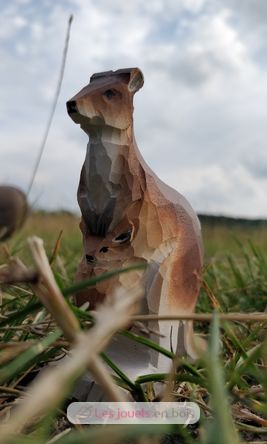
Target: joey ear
[136,80]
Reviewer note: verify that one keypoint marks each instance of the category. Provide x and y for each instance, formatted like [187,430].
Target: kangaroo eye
[123,237]
[103,250]
[110,93]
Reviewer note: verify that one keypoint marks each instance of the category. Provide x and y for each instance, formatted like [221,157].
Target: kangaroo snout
[71,107]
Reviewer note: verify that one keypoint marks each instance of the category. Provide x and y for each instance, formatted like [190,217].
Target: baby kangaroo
[130,216]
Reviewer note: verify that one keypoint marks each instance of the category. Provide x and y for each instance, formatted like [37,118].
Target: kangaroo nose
[89,258]
[71,107]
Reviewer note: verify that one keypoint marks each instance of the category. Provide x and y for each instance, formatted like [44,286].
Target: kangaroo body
[130,216]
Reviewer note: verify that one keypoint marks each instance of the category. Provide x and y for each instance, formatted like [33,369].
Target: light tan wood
[130,216]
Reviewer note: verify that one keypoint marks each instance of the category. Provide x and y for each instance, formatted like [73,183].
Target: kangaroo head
[106,100]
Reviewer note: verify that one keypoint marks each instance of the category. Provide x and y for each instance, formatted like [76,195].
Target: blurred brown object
[13,210]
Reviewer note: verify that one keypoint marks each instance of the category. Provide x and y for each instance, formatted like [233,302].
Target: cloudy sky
[200,119]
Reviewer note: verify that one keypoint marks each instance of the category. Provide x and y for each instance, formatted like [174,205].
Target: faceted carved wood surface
[130,216]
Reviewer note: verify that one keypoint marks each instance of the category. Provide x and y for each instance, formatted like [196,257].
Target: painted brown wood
[130,216]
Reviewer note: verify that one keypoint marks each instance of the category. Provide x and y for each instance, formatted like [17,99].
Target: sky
[200,119]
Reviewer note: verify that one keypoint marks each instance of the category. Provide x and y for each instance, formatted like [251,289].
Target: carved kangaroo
[129,215]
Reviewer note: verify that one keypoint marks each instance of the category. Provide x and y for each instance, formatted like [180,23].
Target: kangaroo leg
[172,288]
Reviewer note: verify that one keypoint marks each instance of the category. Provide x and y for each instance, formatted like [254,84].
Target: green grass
[229,383]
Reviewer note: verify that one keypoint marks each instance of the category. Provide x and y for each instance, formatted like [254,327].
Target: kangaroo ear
[136,80]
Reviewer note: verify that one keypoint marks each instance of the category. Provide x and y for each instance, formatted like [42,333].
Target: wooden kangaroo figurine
[130,216]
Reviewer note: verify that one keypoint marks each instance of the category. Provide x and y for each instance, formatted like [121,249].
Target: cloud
[256,165]
[200,119]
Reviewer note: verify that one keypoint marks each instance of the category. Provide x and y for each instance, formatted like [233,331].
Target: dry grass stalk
[15,271]
[168,394]
[50,388]
[10,390]
[48,292]
[56,248]
[66,320]
[204,317]
[54,105]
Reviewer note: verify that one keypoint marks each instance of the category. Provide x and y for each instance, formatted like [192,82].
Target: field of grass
[229,383]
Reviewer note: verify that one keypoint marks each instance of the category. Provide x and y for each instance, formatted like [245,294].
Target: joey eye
[103,250]
[110,93]
[123,237]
